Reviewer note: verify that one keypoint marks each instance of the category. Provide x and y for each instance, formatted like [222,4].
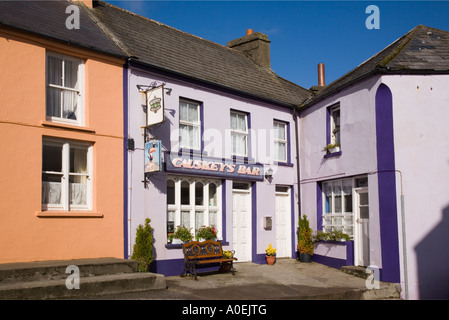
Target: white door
[241,222]
[362,227]
[283,222]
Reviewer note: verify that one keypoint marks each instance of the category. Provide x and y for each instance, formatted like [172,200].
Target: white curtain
[239,136]
[78,183]
[189,136]
[185,219]
[188,112]
[238,144]
[62,73]
[238,122]
[189,132]
[51,192]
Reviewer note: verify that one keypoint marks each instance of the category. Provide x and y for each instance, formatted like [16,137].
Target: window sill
[66,126]
[242,159]
[333,154]
[191,152]
[284,164]
[68,214]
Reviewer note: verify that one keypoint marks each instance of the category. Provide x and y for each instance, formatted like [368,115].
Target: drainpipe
[404,244]
[298,170]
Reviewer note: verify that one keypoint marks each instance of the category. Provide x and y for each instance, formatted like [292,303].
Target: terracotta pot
[270,260]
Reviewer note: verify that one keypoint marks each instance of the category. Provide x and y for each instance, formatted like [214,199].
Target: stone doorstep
[89,286]
[355,271]
[49,270]
[47,279]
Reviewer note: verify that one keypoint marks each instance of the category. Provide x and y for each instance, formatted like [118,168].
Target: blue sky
[302,33]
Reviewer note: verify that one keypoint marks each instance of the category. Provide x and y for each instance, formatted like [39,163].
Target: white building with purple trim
[228,140]
[386,183]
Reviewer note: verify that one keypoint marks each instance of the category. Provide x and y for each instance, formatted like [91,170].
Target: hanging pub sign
[217,167]
[153,156]
[155,105]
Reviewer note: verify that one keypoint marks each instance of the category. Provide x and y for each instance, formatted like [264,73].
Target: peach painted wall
[27,233]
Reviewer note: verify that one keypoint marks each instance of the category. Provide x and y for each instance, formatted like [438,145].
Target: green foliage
[143,248]
[183,234]
[207,233]
[305,241]
[332,236]
[331,146]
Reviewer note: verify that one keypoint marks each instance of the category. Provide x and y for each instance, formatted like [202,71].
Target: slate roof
[48,19]
[423,50]
[168,49]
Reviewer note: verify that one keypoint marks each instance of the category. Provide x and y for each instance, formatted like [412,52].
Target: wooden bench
[204,253]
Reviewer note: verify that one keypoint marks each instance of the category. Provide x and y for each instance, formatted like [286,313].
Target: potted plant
[305,242]
[207,233]
[271,255]
[332,147]
[183,234]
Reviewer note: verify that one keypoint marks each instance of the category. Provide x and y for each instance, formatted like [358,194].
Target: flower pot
[305,257]
[270,260]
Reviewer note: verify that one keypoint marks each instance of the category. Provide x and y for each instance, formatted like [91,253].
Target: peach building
[61,128]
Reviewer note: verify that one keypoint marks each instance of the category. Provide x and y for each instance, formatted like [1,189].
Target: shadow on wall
[433,261]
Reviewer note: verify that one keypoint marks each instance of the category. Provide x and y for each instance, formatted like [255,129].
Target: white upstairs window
[64,79]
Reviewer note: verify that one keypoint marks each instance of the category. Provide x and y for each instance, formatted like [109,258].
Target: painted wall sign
[153,156]
[155,106]
[217,167]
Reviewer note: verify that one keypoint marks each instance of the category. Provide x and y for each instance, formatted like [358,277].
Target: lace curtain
[62,73]
[239,134]
[189,125]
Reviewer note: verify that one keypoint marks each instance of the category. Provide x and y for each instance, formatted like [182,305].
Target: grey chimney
[254,45]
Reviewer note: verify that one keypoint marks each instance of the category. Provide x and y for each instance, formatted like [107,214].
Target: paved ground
[287,279]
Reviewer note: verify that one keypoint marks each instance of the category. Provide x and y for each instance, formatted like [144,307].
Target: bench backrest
[204,249]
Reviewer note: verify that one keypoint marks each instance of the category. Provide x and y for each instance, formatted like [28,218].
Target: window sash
[189,125]
[335,124]
[239,134]
[338,212]
[196,212]
[64,83]
[71,188]
[280,141]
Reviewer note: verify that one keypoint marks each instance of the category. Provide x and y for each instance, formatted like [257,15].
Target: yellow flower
[271,251]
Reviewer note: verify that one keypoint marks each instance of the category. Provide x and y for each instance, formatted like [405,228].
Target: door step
[356,271]
[48,279]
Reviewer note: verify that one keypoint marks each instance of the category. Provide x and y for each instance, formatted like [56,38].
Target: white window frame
[185,144]
[236,132]
[342,220]
[66,174]
[205,209]
[335,128]
[278,141]
[79,92]
[347,219]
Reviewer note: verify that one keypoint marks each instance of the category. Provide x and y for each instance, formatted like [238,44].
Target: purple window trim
[333,154]
[319,206]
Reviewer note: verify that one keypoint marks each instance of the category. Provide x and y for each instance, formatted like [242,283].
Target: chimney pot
[249,32]
[321,79]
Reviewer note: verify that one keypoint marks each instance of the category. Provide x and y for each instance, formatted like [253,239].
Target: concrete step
[48,270]
[355,271]
[47,279]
